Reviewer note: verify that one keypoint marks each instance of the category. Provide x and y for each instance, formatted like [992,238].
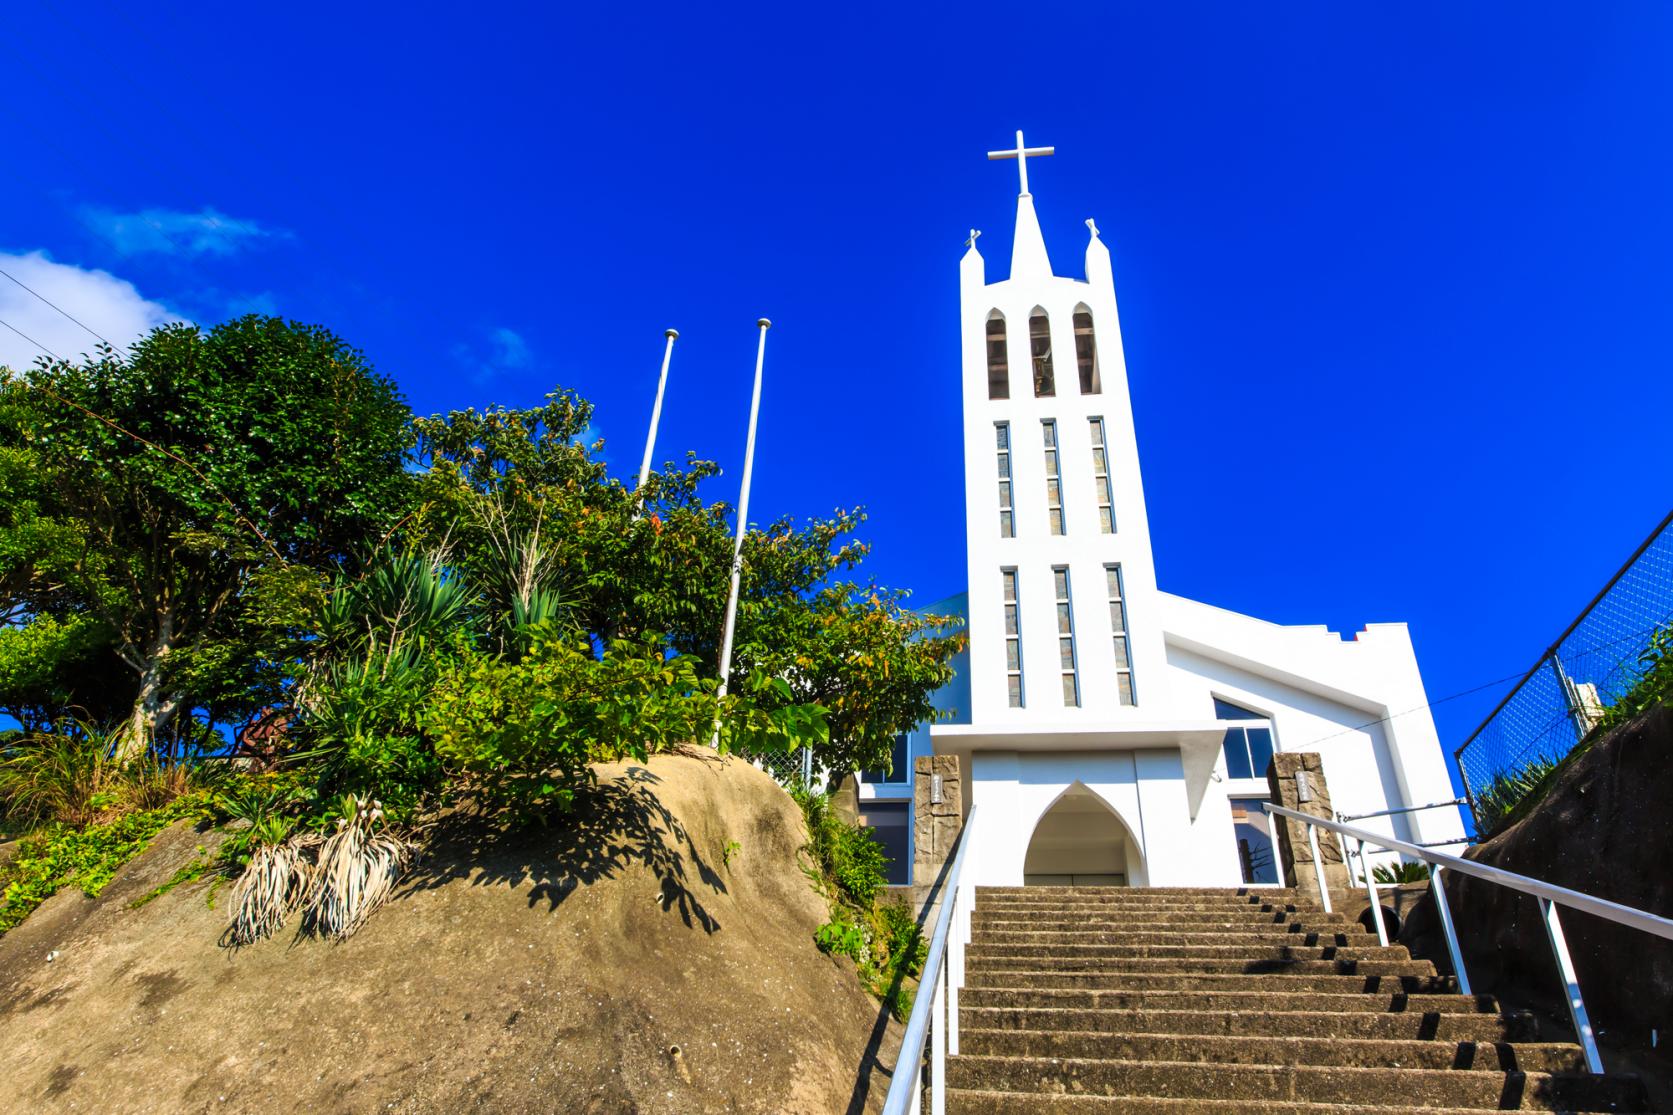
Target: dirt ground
[553,971]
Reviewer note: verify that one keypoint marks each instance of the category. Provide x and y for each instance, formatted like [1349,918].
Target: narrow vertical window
[1101,477]
[1066,637]
[999,372]
[1086,353]
[1013,640]
[1118,629]
[1054,478]
[1007,516]
[1039,347]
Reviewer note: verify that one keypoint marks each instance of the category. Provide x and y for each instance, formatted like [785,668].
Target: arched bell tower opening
[1081,842]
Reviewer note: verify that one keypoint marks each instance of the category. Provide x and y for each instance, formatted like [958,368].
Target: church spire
[1028,248]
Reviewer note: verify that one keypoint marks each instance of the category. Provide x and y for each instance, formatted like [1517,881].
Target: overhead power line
[54,305]
[30,339]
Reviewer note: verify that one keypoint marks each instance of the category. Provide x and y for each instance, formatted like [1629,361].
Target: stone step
[1269,985]
[1251,1049]
[1305,1016]
[986,967]
[1416,1088]
[1216,938]
[1109,909]
[1140,892]
[981,950]
[1055,896]
[1211,922]
[965,1101]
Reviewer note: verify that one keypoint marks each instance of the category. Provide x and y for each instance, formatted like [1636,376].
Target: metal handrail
[1550,896]
[904,1094]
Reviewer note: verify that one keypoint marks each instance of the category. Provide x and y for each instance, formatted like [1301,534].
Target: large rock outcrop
[551,970]
[1604,828]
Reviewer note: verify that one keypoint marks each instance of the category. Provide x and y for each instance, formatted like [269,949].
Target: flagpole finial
[670,332]
[764,323]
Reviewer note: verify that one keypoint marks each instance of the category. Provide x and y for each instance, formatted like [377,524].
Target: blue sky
[1394,282]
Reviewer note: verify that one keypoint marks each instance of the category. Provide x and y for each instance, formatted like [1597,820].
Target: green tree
[528,513]
[187,498]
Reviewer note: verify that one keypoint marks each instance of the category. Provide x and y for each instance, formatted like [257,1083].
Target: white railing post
[1571,985]
[938,1044]
[955,971]
[1318,866]
[1438,886]
[1371,893]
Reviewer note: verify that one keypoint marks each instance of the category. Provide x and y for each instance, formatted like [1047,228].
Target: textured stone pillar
[935,824]
[1293,847]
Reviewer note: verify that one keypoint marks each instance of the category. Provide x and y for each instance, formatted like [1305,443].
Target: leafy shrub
[363,731]
[907,947]
[847,856]
[1400,873]
[844,936]
[60,856]
[525,731]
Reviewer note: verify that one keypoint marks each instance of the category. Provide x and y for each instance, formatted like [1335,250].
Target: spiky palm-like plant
[356,871]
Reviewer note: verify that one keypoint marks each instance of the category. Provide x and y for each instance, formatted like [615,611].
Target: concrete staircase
[1110,999]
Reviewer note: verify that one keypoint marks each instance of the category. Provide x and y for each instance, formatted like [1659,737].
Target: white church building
[1110,732]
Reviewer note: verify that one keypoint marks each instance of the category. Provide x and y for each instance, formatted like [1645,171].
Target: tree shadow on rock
[611,829]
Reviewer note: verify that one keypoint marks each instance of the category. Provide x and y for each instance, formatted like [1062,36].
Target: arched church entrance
[1080,842]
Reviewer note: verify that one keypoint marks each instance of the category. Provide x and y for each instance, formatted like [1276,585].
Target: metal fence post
[1371,893]
[1571,986]
[1438,886]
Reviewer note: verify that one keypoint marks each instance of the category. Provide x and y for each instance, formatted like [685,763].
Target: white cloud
[170,232]
[506,351]
[107,305]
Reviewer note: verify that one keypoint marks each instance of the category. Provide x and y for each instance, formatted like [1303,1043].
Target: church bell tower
[1064,627]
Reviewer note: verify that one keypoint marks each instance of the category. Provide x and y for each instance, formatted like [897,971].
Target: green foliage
[163,491]
[1512,793]
[1400,873]
[525,730]
[1495,804]
[906,944]
[730,851]
[843,936]
[883,939]
[847,857]
[1653,687]
[63,778]
[60,856]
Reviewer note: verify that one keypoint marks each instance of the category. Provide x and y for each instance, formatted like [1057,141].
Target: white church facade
[1110,732]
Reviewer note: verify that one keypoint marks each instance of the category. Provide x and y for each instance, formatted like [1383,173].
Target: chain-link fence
[788,768]
[1590,666]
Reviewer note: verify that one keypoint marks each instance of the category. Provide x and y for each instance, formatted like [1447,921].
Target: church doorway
[1079,842]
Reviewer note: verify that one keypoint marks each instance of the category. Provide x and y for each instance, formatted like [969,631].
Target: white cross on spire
[1021,156]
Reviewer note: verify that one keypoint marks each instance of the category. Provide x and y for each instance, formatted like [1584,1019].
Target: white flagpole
[656,413]
[743,525]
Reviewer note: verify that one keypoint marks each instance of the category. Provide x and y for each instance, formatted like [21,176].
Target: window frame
[1040,363]
[1010,593]
[1001,338]
[1259,721]
[1057,519]
[1121,635]
[1103,486]
[1007,484]
[1063,590]
[1090,379]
